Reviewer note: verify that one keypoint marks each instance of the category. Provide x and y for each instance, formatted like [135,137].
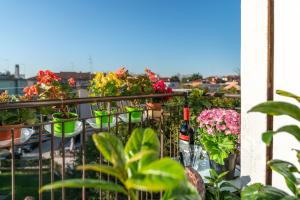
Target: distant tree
[175,79]
[185,79]
[195,76]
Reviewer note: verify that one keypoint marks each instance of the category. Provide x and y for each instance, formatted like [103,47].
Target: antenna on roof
[91,66]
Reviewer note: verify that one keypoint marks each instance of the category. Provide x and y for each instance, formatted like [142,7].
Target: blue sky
[169,36]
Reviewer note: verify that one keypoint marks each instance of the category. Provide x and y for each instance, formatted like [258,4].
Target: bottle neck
[186,114]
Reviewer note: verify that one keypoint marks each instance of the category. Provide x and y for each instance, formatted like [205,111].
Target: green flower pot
[100,114]
[69,126]
[136,113]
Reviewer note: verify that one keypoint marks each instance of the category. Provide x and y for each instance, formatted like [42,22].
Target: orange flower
[152,76]
[121,72]
[71,82]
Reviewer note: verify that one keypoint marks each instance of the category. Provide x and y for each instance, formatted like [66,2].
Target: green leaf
[288,94]
[111,148]
[159,175]
[292,186]
[221,176]
[105,169]
[228,185]
[143,140]
[258,191]
[286,169]
[291,129]
[88,183]
[213,174]
[278,108]
[289,198]
[165,167]
[227,195]
[184,191]
[267,137]
[140,155]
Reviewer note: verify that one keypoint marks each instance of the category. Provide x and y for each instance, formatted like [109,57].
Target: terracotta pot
[5,132]
[196,180]
[156,109]
[154,106]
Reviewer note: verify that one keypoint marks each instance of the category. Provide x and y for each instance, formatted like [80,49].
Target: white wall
[253,72]
[287,73]
[253,86]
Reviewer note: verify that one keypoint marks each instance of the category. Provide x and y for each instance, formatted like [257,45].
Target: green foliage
[15,116]
[193,77]
[225,102]
[218,189]
[258,191]
[182,192]
[286,169]
[175,78]
[197,102]
[219,146]
[137,166]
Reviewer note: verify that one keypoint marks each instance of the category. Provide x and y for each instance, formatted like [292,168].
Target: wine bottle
[186,138]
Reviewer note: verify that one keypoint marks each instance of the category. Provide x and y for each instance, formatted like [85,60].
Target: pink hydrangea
[220,120]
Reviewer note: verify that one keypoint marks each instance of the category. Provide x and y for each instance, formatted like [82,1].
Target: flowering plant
[219,132]
[50,86]
[12,116]
[158,86]
[109,84]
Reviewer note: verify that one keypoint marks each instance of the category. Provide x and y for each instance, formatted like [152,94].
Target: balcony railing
[48,157]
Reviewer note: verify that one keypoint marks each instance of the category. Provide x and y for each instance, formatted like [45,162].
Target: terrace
[121,145]
[43,156]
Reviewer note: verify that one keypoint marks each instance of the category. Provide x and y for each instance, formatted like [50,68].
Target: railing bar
[41,103]
[40,159]
[52,159]
[142,118]
[13,183]
[129,123]
[161,143]
[83,152]
[63,158]
[100,158]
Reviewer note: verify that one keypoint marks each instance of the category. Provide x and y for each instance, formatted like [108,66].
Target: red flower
[47,77]
[159,87]
[71,82]
[169,90]
[30,91]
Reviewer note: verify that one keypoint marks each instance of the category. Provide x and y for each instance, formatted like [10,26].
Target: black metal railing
[54,156]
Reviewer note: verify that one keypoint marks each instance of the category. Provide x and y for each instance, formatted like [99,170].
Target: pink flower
[221,120]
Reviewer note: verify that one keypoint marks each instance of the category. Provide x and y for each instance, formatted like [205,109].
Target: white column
[287,75]
[253,86]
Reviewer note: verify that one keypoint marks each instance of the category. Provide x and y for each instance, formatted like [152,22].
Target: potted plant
[13,118]
[50,86]
[159,87]
[219,131]
[103,85]
[136,85]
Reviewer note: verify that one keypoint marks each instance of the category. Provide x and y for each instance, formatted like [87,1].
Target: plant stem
[132,195]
